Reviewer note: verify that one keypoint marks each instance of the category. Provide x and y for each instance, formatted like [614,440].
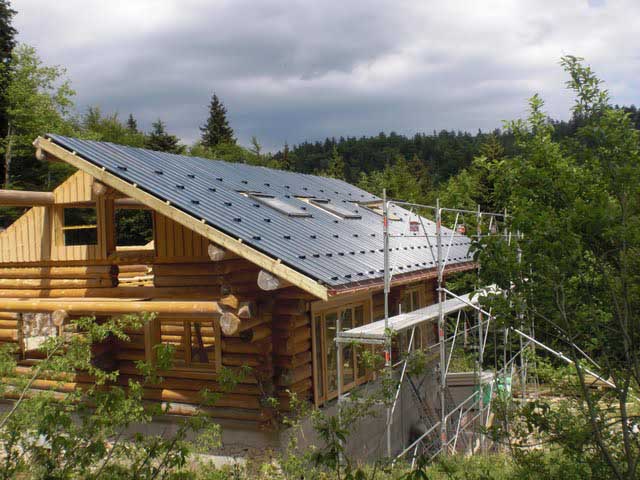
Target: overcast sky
[293,70]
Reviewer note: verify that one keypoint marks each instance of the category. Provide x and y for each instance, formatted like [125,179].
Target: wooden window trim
[188,365]
[320,311]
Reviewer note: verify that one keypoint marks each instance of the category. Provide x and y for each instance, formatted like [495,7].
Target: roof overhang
[274,266]
[398,279]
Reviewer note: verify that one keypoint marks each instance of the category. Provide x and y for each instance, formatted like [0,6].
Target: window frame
[320,352]
[68,228]
[327,206]
[187,364]
[281,206]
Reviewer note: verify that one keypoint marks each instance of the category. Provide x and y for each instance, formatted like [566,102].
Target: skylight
[376,207]
[279,204]
[334,209]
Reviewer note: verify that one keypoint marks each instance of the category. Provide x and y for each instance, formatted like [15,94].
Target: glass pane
[358,316]
[290,209]
[405,303]
[202,343]
[347,351]
[79,226]
[172,333]
[319,369]
[330,351]
[340,211]
[415,300]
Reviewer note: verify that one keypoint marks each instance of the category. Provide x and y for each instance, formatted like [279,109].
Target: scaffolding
[445,430]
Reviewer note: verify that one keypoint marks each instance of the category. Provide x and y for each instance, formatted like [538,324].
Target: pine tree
[7,43]
[336,167]
[132,124]
[217,129]
[285,164]
[161,141]
[256,148]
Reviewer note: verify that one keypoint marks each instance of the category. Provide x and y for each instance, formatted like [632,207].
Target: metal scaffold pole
[387,281]
[441,332]
[480,341]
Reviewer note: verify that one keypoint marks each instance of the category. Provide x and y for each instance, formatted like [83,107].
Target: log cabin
[243,265]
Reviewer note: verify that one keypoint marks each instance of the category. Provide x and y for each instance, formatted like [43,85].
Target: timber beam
[90,307]
[24,198]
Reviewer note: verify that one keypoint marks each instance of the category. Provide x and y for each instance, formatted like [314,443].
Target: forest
[572,272]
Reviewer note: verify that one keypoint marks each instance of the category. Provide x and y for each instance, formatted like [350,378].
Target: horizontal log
[129,203]
[289,377]
[247,415]
[133,268]
[202,268]
[8,316]
[192,385]
[116,292]
[11,324]
[252,323]
[290,347]
[197,281]
[96,271]
[293,361]
[290,307]
[299,334]
[128,367]
[49,283]
[256,334]
[97,307]
[9,335]
[294,293]
[188,396]
[289,322]
[239,360]
[236,345]
[24,198]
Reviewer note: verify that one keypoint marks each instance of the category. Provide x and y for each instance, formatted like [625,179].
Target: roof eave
[398,279]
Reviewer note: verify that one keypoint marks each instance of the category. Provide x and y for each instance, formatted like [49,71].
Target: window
[337,210]
[412,299]
[326,351]
[278,204]
[196,342]
[79,226]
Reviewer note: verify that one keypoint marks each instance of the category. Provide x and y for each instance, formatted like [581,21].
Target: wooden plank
[269,264]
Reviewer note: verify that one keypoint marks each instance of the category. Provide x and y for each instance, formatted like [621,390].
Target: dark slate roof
[335,251]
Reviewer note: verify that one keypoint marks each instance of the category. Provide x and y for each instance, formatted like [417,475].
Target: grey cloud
[297,70]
